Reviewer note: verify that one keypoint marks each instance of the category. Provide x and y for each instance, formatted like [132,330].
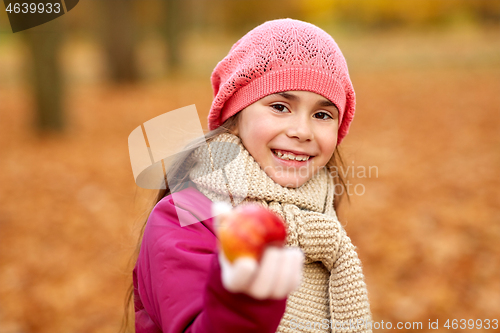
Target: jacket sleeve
[178,281]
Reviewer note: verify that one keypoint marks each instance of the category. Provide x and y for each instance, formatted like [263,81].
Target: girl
[283,102]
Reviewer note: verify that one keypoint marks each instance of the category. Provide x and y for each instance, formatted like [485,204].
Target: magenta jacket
[177,277]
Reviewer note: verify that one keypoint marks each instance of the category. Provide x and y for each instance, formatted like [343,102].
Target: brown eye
[279,107]
[322,115]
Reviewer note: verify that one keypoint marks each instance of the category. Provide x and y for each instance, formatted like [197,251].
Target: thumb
[237,276]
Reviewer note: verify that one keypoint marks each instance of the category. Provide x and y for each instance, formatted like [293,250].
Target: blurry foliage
[239,16]
[242,15]
[389,13]
[119,28]
[173,21]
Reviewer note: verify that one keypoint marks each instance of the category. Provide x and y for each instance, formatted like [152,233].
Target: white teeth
[289,156]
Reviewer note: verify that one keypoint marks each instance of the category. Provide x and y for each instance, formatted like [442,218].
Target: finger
[226,271]
[236,276]
[284,276]
[298,267]
[243,271]
[261,286]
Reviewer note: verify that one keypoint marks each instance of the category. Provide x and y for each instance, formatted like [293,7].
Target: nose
[300,128]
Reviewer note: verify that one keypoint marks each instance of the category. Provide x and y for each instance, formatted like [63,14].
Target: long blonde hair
[178,176]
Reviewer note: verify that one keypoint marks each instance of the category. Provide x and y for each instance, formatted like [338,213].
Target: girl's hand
[277,275]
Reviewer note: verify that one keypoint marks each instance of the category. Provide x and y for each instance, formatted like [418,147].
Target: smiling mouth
[288,156]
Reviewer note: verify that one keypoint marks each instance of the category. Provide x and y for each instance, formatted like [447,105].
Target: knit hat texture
[282,55]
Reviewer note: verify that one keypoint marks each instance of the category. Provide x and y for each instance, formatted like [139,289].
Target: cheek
[328,146]
[331,147]
[255,136]
[257,130]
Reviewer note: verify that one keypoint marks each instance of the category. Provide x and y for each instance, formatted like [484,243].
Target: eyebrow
[292,97]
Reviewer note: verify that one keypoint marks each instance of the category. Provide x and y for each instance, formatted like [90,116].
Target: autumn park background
[427,79]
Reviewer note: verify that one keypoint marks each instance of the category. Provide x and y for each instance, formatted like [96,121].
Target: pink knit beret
[282,55]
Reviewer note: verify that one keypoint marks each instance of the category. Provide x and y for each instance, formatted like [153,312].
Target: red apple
[246,231]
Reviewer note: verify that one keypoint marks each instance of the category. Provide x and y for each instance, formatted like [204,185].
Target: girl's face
[302,125]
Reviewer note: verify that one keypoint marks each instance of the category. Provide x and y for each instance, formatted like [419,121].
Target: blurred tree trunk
[46,80]
[174,27]
[119,40]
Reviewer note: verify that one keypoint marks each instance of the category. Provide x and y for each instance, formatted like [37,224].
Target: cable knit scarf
[333,295]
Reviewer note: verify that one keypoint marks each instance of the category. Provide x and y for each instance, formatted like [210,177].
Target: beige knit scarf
[333,295]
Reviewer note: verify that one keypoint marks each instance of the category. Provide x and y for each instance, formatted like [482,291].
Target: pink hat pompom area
[282,55]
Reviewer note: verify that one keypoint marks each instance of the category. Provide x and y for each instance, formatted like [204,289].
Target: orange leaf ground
[427,225]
